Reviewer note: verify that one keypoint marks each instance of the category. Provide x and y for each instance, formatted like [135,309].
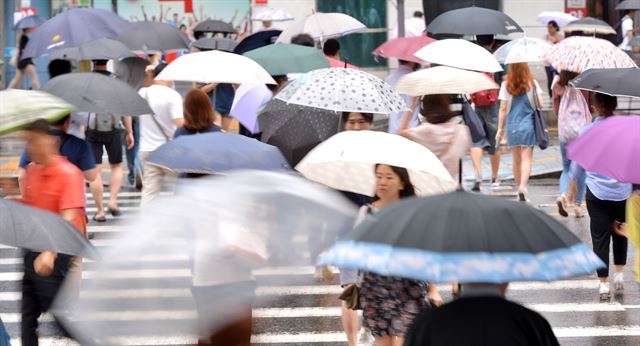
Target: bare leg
[525,170]
[33,75]
[351,324]
[516,153]
[226,123]
[476,158]
[115,183]
[495,165]
[96,191]
[384,341]
[17,79]
[398,340]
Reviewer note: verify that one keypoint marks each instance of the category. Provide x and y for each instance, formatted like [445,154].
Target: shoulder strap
[536,102]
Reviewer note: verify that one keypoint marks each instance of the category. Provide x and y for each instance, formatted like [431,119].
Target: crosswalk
[292,308]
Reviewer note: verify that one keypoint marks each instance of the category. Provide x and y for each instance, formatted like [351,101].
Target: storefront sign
[576,8]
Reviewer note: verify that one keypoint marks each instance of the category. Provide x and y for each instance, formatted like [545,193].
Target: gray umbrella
[629,5]
[214,26]
[590,25]
[154,37]
[94,92]
[473,21]
[101,49]
[211,43]
[611,81]
[40,230]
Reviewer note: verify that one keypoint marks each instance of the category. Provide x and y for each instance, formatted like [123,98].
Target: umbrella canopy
[100,49]
[579,53]
[628,5]
[248,99]
[457,53]
[211,153]
[257,40]
[610,147]
[473,21]
[211,43]
[154,37]
[444,80]
[63,30]
[343,90]
[40,230]
[268,14]
[403,48]
[464,237]
[613,81]
[590,25]
[280,59]
[94,92]
[295,129]
[323,26]
[216,67]
[30,22]
[347,162]
[526,49]
[559,17]
[19,108]
[214,26]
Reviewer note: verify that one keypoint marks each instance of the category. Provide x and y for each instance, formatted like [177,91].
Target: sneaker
[562,206]
[618,281]
[476,186]
[604,290]
[495,183]
[137,181]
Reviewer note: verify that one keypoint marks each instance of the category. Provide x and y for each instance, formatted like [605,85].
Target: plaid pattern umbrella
[18,108]
[578,54]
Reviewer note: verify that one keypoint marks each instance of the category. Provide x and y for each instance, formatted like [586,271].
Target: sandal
[99,219]
[115,211]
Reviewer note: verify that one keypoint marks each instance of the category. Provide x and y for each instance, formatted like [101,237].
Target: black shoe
[137,181]
[476,186]
[91,235]
[521,196]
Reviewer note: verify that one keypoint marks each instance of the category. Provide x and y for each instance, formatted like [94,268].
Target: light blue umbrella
[30,22]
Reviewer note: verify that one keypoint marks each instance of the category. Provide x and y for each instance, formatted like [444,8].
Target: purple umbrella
[611,148]
[247,102]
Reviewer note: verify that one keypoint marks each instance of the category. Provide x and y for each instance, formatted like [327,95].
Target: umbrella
[74,27]
[94,92]
[457,53]
[257,40]
[559,17]
[323,26]
[343,90]
[19,108]
[41,230]
[211,153]
[214,26]
[444,80]
[154,37]
[628,5]
[347,162]
[589,25]
[100,49]
[464,237]
[473,21]
[30,22]
[280,59]
[249,98]
[403,48]
[614,82]
[526,49]
[211,43]
[610,147]
[579,53]
[295,129]
[333,62]
[215,67]
[268,14]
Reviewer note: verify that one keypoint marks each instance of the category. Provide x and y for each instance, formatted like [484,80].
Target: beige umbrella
[590,25]
[444,80]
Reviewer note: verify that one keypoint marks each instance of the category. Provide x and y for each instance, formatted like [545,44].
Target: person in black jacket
[25,65]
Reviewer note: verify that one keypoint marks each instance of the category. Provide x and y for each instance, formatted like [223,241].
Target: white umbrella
[216,67]
[526,49]
[347,162]
[444,80]
[322,26]
[559,17]
[461,54]
[269,14]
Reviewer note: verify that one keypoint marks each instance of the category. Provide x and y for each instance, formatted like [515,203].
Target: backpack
[102,122]
[573,114]
[487,97]
[617,40]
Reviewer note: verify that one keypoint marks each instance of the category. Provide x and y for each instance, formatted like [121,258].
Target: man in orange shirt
[53,184]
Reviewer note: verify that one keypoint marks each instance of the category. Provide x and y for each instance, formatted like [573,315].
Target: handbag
[539,122]
[351,297]
[472,120]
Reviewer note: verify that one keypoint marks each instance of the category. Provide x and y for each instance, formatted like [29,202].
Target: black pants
[603,214]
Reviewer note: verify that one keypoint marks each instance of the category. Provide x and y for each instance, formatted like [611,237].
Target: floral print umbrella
[579,53]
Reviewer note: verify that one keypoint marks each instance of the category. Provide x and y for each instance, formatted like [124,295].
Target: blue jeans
[565,179]
[133,161]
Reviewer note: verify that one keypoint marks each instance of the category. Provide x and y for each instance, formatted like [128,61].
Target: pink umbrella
[337,63]
[610,147]
[403,48]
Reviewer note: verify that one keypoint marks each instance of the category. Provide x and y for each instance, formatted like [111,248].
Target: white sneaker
[604,290]
[495,183]
[618,281]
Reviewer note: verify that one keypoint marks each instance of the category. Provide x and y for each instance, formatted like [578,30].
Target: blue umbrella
[217,152]
[30,22]
[74,27]
[257,40]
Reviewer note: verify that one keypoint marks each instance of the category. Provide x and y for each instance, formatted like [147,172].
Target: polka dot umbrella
[579,53]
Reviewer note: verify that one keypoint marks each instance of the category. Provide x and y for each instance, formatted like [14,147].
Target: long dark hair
[402,173]
[437,108]
[605,104]
[566,77]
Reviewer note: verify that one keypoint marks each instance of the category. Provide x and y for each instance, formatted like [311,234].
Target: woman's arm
[406,119]
[502,117]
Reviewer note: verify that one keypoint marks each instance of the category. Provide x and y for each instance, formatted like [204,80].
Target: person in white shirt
[156,129]
[627,31]
[395,119]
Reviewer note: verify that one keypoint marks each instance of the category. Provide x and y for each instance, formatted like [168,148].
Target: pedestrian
[606,203]
[552,36]
[224,95]
[303,40]
[395,119]
[627,30]
[198,115]
[517,110]
[389,303]
[25,66]
[157,128]
[55,185]
[442,133]
[331,48]
[480,316]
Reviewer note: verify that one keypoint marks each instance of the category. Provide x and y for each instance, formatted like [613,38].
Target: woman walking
[552,36]
[198,115]
[517,100]
[25,65]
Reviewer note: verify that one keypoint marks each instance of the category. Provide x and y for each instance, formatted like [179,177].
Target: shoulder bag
[472,120]
[539,122]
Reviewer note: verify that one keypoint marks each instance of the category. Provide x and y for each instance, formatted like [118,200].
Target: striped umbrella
[18,108]
[578,54]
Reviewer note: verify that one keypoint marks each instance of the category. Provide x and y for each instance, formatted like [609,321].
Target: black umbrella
[214,26]
[100,49]
[610,81]
[295,129]
[629,5]
[257,40]
[40,230]
[211,43]
[154,37]
[473,21]
[94,92]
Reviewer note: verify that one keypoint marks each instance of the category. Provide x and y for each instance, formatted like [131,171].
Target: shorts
[489,117]
[22,64]
[112,141]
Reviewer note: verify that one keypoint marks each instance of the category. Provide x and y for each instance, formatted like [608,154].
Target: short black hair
[607,104]
[554,24]
[61,121]
[303,40]
[182,26]
[331,47]
[100,62]
[39,126]
[484,40]
[58,67]
[158,69]
[368,117]
[418,14]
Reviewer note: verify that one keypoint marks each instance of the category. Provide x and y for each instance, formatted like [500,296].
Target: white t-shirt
[166,104]
[505,96]
[626,26]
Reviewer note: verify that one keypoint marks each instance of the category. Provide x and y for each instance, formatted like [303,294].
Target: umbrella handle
[460,174]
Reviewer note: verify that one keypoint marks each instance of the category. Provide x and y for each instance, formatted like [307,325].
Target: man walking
[626,28]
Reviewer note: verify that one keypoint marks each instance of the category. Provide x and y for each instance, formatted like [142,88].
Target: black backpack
[619,35]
